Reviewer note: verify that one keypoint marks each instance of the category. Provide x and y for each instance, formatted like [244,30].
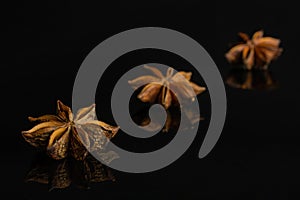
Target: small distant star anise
[63,134]
[160,88]
[256,52]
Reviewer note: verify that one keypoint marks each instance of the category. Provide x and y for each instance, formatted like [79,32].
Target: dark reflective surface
[257,156]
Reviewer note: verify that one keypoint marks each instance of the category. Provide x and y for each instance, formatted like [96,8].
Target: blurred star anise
[160,88]
[63,134]
[256,52]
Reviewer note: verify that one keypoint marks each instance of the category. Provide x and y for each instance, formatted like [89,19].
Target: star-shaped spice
[160,88]
[256,52]
[64,134]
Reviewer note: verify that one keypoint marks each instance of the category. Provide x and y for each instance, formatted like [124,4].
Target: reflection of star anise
[61,174]
[63,134]
[172,122]
[256,52]
[160,88]
[250,80]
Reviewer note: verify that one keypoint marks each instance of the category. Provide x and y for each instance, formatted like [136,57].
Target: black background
[257,156]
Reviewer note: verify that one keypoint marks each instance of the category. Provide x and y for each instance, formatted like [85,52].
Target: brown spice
[63,134]
[256,52]
[160,88]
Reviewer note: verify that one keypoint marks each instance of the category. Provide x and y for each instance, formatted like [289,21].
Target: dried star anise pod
[160,88]
[63,134]
[256,52]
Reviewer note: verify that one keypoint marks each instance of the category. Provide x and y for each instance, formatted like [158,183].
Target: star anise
[63,134]
[160,88]
[256,52]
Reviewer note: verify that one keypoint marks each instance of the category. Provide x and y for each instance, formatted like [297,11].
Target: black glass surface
[257,155]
